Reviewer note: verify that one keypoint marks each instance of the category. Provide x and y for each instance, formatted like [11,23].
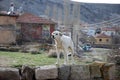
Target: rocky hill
[90,13]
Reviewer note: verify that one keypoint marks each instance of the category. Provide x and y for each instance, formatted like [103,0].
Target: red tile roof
[102,36]
[109,29]
[30,18]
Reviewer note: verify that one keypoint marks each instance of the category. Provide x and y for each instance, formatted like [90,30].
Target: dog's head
[56,34]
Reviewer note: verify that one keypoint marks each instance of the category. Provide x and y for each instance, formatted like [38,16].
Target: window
[107,40]
[100,40]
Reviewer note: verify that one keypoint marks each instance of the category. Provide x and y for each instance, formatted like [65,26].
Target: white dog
[65,43]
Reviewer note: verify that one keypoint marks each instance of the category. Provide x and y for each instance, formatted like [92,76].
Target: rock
[95,70]
[9,74]
[52,53]
[105,71]
[97,58]
[14,49]
[117,59]
[112,72]
[86,59]
[27,73]
[64,72]
[80,72]
[46,72]
[30,48]
[34,51]
[117,71]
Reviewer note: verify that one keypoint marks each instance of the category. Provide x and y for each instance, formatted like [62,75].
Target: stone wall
[94,71]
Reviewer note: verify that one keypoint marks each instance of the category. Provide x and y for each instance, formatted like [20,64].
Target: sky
[99,1]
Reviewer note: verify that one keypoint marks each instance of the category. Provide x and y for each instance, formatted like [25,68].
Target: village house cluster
[26,27]
[102,36]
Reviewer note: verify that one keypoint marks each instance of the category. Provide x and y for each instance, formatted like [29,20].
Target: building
[109,30]
[26,27]
[102,39]
[7,28]
[34,28]
[89,30]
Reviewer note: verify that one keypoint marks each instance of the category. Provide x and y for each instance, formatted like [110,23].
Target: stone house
[34,28]
[26,27]
[109,30]
[7,28]
[103,39]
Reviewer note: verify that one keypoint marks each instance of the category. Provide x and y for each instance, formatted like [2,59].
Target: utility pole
[60,16]
[66,12]
[76,24]
[55,12]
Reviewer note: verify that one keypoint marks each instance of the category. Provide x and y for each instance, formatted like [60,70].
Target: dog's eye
[56,34]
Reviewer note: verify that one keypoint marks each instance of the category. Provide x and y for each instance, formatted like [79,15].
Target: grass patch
[17,59]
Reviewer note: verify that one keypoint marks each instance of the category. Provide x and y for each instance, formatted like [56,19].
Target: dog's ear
[60,34]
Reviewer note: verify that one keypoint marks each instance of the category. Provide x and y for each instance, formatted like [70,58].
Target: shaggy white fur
[65,43]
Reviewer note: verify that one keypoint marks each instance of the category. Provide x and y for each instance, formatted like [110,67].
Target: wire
[108,21]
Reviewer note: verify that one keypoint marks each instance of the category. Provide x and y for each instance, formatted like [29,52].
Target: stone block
[117,59]
[9,74]
[27,73]
[46,72]
[95,69]
[117,72]
[64,72]
[80,72]
[112,73]
[105,70]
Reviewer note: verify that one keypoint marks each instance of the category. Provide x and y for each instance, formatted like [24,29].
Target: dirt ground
[4,61]
[96,54]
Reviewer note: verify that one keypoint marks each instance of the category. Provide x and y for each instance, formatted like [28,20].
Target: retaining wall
[95,71]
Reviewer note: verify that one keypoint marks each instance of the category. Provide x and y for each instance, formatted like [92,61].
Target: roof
[4,13]
[30,18]
[109,29]
[102,35]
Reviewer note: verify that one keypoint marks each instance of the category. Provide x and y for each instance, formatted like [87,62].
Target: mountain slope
[91,13]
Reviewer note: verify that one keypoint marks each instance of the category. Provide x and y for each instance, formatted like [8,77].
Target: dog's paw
[56,63]
[64,63]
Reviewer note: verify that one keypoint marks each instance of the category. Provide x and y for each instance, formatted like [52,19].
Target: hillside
[90,13]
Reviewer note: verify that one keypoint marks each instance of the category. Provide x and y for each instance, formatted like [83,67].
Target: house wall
[8,27]
[7,20]
[103,41]
[109,33]
[52,28]
[35,32]
[7,37]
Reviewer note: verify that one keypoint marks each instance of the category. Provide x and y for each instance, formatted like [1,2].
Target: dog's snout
[53,36]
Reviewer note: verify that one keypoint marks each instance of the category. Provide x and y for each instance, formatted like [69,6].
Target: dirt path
[4,61]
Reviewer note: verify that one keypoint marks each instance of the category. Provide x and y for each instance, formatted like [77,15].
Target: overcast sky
[99,1]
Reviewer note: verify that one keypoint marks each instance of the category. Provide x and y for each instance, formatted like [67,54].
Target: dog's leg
[72,58]
[58,56]
[65,56]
